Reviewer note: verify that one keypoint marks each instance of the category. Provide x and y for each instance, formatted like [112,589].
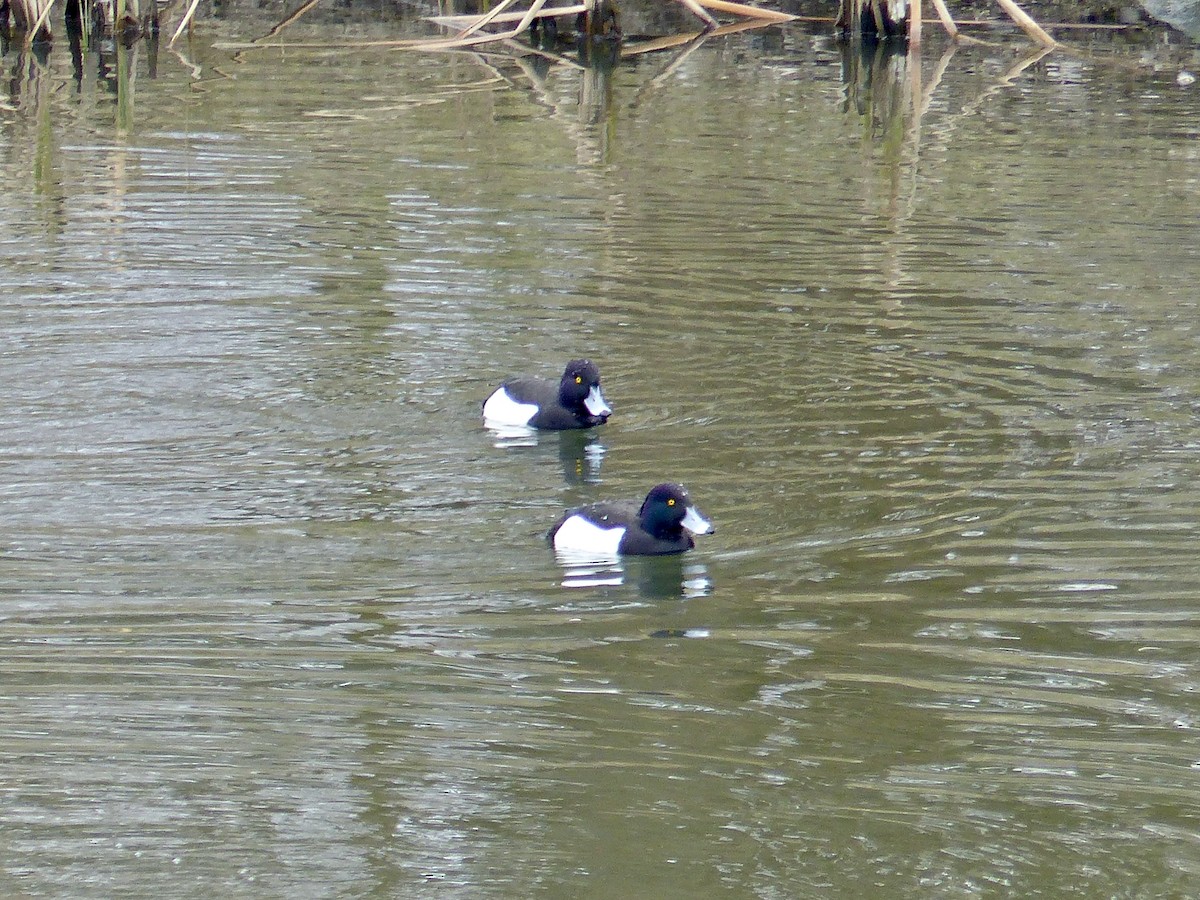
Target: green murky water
[276,614]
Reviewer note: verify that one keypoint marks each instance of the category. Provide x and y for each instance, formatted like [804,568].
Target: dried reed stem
[701,13]
[1031,28]
[947,19]
[679,40]
[750,12]
[722,6]
[41,20]
[285,22]
[465,21]
[30,17]
[470,25]
[485,19]
[530,15]
[187,17]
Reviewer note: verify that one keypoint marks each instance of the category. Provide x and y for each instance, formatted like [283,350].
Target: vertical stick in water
[124,85]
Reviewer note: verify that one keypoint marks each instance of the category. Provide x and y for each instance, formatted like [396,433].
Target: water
[278,618]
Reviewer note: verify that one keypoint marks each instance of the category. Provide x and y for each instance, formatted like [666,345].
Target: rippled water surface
[277,614]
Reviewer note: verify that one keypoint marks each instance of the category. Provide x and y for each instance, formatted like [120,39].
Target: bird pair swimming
[665,520]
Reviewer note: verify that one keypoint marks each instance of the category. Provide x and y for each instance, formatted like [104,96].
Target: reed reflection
[875,76]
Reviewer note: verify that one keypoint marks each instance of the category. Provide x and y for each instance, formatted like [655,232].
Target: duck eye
[579,379]
[670,501]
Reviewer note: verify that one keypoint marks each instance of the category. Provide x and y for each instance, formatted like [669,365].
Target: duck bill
[595,402]
[694,522]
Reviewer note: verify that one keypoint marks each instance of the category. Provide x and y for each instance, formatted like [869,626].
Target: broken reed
[896,17]
[32,17]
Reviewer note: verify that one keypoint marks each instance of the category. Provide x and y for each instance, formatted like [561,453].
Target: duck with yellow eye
[531,402]
[664,523]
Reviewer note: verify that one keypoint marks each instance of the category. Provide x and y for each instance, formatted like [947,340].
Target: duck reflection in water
[580,453]
[653,577]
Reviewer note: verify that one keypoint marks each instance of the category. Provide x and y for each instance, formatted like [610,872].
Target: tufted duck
[656,527]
